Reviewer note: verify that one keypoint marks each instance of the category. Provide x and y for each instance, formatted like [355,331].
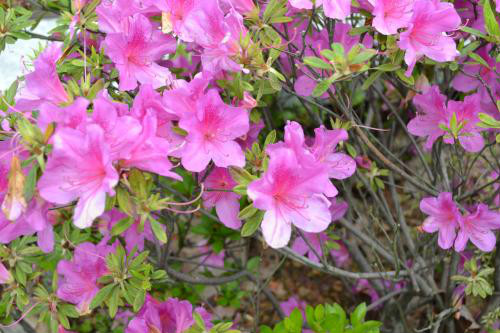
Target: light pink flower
[5,276]
[73,116]
[171,316]
[335,9]
[78,278]
[289,194]
[43,84]
[135,53]
[227,204]
[477,227]
[391,15]
[426,34]
[80,167]
[241,6]
[212,131]
[317,242]
[433,112]
[444,218]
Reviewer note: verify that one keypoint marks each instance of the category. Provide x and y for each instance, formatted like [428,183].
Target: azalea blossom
[391,15]
[79,167]
[5,276]
[226,202]
[426,33]
[289,195]
[432,112]
[78,278]
[43,84]
[136,51]
[477,227]
[335,9]
[444,218]
[212,131]
[171,316]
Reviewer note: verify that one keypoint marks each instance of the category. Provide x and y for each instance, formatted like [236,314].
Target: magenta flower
[444,218]
[177,11]
[335,9]
[321,155]
[5,276]
[477,227]
[391,15]
[289,194]
[212,132]
[43,84]
[136,51]
[171,316]
[73,116]
[433,112]
[227,204]
[241,6]
[317,242]
[426,32]
[113,15]
[80,167]
[78,282]
[293,303]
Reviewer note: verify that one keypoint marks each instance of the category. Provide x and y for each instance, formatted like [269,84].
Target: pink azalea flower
[171,316]
[181,101]
[72,116]
[212,132]
[241,6]
[78,281]
[177,11]
[477,227]
[227,204]
[80,167]
[432,111]
[321,155]
[293,303]
[5,276]
[135,53]
[113,15]
[426,32]
[149,152]
[289,194]
[444,218]
[34,220]
[148,100]
[335,9]
[107,115]
[467,114]
[391,15]
[252,135]
[219,53]
[43,84]
[211,257]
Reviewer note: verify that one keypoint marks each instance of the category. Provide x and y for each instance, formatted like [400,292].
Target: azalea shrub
[283,166]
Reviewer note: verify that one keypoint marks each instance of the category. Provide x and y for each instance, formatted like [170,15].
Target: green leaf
[388,67]
[122,226]
[319,312]
[139,300]
[252,224]
[490,21]
[158,231]
[247,212]
[241,176]
[370,80]
[479,59]
[474,32]
[321,87]
[317,63]
[124,200]
[270,138]
[113,302]
[358,315]
[102,296]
